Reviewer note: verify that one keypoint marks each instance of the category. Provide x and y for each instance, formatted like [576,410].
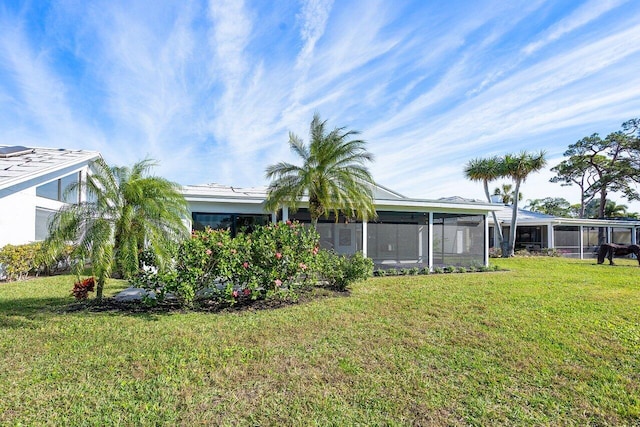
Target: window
[55,190]
[236,223]
[43,219]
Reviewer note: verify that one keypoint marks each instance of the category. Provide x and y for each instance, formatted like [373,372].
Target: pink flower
[209,252]
[278,255]
[235,294]
[247,292]
[288,222]
[220,244]
[245,264]
[302,266]
[315,250]
[278,282]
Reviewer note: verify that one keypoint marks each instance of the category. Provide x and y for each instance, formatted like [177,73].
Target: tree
[555,206]
[505,191]
[601,166]
[333,175]
[126,211]
[518,167]
[487,170]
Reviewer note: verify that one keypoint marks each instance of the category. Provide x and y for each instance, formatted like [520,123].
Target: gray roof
[35,162]
[523,215]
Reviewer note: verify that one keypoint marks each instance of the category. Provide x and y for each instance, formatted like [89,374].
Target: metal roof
[34,162]
[383,199]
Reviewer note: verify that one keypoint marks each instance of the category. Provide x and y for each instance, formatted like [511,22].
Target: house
[572,237]
[32,183]
[407,232]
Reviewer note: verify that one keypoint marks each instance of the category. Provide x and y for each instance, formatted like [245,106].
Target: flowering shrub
[82,288]
[271,260]
[18,260]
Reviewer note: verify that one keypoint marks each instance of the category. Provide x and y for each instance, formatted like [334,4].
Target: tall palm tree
[486,170]
[518,167]
[126,211]
[505,191]
[333,175]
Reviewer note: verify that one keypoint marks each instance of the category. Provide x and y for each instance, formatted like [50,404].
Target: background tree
[601,166]
[518,167]
[505,191]
[556,206]
[611,210]
[126,211]
[487,170]
[333,174]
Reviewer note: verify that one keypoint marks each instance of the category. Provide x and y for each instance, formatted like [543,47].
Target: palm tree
[126,211]
[518,167]
[506,194]
[614,210]
[486,170]
[333,175]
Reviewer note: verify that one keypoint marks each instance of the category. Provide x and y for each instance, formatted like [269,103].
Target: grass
[549,342]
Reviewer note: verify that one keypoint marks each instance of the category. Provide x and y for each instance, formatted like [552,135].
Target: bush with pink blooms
[272,260]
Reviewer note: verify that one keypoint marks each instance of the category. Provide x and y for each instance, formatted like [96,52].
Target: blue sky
[211,89]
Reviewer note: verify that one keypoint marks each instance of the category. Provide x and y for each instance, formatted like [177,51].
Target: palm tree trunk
[514,225]
[99,287]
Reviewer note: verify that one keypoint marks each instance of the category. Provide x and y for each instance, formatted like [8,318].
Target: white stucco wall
[18,217]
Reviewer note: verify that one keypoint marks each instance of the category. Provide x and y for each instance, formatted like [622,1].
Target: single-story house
[572,237]
[32,183]
[407,232]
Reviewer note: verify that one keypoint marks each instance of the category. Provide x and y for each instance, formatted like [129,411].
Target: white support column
[285,214]
[365,237]
[581,242]
[552,243]
[430,248]
[609,235]
[486,239]
[634,237]
[274,217]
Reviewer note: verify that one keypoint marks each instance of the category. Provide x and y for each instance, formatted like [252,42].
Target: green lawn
[549,342]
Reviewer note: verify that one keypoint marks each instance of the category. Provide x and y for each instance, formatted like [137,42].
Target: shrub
[449,269]
[414,271]
[438,270]
[18,260]
[461,269]
[495,252]
[380,273]
[339,271]
[273,258]
[82,287]
[392,272]
[425,270]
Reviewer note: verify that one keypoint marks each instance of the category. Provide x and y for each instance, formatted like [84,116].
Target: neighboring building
[407,233]
[572,237]
[32,183]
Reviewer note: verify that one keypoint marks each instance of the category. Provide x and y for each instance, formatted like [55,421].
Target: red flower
[245,264]
[278,255]
[247,292]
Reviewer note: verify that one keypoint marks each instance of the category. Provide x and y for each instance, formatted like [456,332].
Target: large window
[43,219]
[344,236]
[458,239]
[399,238]
[57,190]
[531,238]
[236,223]
[591,239]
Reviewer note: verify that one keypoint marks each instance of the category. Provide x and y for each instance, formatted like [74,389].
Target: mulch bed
[210,306]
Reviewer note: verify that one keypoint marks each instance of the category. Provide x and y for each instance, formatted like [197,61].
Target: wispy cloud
[211,88]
